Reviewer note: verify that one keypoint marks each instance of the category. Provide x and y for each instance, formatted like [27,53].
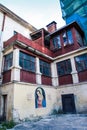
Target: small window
[15,32]
[79,38]
[27,62]
[81,62]
[65,42]
[8,61]
[64,67]
[67,38]
[70,38]
[45,68]
[56,42]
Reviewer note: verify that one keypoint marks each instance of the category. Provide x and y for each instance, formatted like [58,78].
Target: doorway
[4,107]
[68,103]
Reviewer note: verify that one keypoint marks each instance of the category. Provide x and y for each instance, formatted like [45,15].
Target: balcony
[18,38]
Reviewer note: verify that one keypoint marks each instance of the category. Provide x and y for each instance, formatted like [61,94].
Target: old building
[41,70]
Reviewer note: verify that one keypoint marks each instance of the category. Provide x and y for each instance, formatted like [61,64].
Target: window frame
[27,62]
[56,41]
[8,61]
[65,67]
[82,63]
[79,38]
[68,38]
[44,66]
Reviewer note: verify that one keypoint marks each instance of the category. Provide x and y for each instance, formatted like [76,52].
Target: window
[45,68]
[81,62]
[64,67]
[67,38]
[79,38]
[56,42]
[8,61]
[27,62]
[70,38]
[15,32]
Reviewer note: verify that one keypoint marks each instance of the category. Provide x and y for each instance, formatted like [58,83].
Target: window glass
[27,62]
[70,38]
[56,42]
[79,38]
[67,37]
[45,68]
[64,67]
[15,32]
[8,61]
[81,62]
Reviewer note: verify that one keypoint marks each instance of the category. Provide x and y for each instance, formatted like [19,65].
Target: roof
[38,33]
[75,24]
[15,17]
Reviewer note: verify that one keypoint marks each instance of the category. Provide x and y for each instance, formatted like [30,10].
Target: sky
[38,13]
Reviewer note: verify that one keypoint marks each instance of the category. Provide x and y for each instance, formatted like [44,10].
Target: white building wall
[11,26]
[1,19]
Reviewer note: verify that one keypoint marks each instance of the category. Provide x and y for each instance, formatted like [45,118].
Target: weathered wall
[24,101]
[7,90]
[80,95]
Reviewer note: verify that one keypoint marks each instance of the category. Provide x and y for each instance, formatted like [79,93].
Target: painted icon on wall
[40,98]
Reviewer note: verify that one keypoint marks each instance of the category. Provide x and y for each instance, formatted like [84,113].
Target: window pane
[45,68]
[81,62]
[27,62]
[70,38]
[56,42]
[64,67]
[8,61]
[79,38]
[64,39]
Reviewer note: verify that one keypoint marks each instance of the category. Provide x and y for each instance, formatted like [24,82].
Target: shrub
[8,125]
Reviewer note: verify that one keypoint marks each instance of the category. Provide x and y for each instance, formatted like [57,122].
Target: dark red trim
[66,79]
[82,76]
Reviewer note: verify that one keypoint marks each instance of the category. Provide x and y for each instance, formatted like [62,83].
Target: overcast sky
[39,13]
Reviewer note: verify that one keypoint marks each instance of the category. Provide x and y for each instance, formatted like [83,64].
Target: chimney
[51,27]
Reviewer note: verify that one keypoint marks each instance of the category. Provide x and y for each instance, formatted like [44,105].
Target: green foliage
[7,125]
[2,128]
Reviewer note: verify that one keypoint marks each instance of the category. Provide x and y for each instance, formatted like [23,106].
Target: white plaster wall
[1,19]
[11,26]
[24,101]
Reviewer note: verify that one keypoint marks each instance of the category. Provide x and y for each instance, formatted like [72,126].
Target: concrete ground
[56,122]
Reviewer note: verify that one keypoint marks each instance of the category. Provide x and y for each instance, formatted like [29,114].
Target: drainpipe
[42,37]
[1,45]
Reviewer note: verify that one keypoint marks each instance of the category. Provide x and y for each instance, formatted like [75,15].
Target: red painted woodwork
[67,48]
[27,76]
[29,43]
[46,80]
[66,79]
[38,41]
[38,44]
[82,76]
[6,76]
